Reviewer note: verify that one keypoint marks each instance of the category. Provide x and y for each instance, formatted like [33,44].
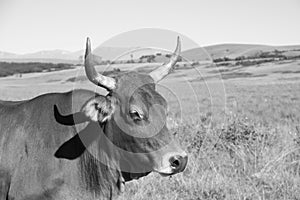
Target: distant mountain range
[54,56]
[109,53]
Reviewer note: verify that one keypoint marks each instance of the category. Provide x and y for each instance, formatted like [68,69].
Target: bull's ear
[75,147]
[71,149]
[99,108]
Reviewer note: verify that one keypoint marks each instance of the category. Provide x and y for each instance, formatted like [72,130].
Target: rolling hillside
[237,50]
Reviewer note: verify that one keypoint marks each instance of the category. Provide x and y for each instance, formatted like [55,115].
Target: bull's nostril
[175,163]
[178,163]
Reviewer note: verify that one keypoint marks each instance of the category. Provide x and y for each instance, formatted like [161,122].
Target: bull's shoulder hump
[11,103]
[55,97]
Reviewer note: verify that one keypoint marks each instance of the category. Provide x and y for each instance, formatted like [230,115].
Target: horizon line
[113,46]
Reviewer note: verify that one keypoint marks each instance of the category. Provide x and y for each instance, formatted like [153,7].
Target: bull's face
[133,117]
[138,126]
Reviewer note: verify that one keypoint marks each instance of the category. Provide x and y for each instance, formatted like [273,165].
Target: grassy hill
[12,68]
[237,50]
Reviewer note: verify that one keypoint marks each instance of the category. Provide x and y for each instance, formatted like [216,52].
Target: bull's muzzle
[178,163]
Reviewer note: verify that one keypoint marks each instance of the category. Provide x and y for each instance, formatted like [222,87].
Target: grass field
[239,125]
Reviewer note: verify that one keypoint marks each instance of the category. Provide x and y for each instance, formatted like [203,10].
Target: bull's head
[133,119]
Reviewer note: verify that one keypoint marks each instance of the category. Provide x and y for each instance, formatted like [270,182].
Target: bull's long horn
[162,71]
[95,77]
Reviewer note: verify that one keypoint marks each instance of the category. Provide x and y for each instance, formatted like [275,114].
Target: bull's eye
[135,115]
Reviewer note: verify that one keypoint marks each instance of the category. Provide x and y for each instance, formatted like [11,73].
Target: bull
[83,145]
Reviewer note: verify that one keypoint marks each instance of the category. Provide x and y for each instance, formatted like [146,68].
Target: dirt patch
[145,69]
[216,71]
[180,75]
[230,76]
[259,75]
[236,75]
[241,75]
[286,72]
[204,78]
[84,78]
[290,79]
[53,80]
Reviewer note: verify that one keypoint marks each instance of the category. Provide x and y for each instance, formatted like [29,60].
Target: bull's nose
[178,163]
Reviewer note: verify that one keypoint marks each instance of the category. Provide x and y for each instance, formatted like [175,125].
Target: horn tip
[88,42]
[178,48]
[88,46]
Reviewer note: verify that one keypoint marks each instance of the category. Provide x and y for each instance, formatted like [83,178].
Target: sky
[33,25]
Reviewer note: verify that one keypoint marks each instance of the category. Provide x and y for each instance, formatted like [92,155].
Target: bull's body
[30,136]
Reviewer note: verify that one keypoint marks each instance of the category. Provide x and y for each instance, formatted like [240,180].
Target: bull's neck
[99,168]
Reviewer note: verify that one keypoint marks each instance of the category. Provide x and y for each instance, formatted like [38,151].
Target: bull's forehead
[136,88]
[129,82]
